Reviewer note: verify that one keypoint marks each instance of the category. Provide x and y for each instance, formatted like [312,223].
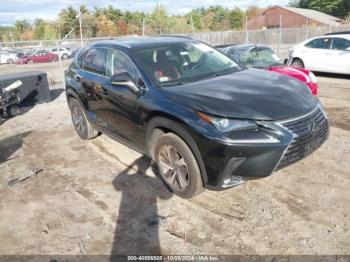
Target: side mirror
[124,79]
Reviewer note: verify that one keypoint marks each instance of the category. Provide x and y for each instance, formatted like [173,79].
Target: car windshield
[258,57]
[185,62]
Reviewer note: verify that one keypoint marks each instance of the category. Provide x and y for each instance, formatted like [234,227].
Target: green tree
[236,18]
[158,20]
[111,13]
[67,20]
[338,8]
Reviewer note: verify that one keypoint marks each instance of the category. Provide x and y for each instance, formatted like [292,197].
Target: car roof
[141,42]
[339,33]
[346,36]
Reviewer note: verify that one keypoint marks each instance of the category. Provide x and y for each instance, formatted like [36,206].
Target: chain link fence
[280,39]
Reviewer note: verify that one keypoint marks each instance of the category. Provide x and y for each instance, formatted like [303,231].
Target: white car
[8,58]
[329,53]
[65,53]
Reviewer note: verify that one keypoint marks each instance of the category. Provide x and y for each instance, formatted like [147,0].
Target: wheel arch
[166,123]
[298,58]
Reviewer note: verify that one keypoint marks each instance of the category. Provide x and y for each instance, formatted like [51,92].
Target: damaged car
[264,57]
[206,122]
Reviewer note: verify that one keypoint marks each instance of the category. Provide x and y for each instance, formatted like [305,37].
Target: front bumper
[230,164]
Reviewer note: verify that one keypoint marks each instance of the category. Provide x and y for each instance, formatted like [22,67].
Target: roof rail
[180,36]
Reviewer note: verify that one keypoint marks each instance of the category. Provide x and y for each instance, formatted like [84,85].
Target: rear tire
[30,62]
[177,166]
[298,63]
[54,59]
[10,61]
[64,56]
[81,124]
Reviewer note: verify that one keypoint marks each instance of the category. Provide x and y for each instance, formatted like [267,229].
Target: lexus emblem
[314,128]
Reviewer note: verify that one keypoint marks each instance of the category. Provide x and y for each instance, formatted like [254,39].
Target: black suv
[201,118]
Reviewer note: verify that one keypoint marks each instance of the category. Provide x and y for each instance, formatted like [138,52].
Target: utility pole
[11,35]
[81,30]
[143,26]
[246,29]
[193,32]
[280,35]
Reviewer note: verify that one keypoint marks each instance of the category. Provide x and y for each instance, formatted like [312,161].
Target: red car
[264,57]
[40,56]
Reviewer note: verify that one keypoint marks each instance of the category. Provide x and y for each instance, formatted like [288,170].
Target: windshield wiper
[179,83]
[219,74]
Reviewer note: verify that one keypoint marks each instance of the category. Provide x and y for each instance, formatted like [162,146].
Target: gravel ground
[100,197]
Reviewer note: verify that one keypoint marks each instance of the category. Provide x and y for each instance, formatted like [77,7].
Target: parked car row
[206,120]
[16,56]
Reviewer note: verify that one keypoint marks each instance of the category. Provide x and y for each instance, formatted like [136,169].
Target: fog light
[233,181]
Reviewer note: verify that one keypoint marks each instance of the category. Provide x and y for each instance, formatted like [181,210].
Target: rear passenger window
[340,44]
[95,61]
[320,43]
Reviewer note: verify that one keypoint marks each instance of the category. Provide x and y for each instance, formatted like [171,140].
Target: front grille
[309,134]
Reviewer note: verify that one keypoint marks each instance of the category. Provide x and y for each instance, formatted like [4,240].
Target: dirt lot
[99,197]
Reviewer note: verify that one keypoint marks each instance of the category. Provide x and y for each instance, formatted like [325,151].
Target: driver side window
[118,62]
[320,43]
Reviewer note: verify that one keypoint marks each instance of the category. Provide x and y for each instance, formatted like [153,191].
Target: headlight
[312,77]
[225,125]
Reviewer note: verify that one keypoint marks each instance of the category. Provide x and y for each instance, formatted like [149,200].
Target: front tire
[64,56]
[298,63]
[178,166]
[82,126]
[10,61]
[13,111]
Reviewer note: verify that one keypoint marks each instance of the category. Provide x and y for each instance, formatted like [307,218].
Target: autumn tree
[105,27]
[253,11]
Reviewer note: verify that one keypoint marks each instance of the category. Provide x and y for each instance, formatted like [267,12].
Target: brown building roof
[291,17]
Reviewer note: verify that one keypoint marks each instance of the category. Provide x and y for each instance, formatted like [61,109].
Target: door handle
[77,78]
[104,90]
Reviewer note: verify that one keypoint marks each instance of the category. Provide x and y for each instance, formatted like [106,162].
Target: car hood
[298,73]
[250,94]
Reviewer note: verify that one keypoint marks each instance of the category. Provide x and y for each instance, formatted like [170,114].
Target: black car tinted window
[118,62]
[340,44]
[320,43]
[95,61]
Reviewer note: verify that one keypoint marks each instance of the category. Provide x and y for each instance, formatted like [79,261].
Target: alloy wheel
[298,64]
[78,121]
[173,168]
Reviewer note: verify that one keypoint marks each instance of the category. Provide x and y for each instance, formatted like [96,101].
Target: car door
[36,58]
[338,57]
[91,75]
[120,102]
[314,54]
[45,57]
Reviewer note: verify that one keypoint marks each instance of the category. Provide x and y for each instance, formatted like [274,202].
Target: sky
[12,10]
